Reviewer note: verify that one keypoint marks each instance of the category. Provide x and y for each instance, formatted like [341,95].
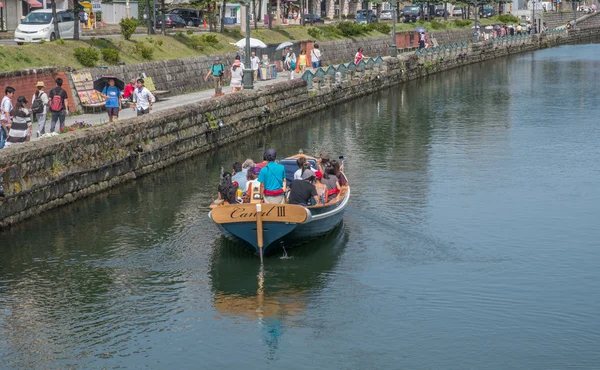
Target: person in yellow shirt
[302,61]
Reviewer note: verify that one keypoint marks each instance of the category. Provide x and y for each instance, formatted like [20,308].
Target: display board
[84,85]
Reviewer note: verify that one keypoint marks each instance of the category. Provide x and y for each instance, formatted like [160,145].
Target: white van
[37,26]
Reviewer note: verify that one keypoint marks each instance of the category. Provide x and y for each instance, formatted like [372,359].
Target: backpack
[37,106]
[56,105]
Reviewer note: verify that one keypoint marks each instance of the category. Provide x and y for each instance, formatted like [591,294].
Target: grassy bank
[180,45]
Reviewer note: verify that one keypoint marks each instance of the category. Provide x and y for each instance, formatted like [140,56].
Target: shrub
[315,33]
[436,25]
[144,51]
[380,27]
[128,26]
[86,56]
[111,56]
[60,41]
[350,29]
[195,42]
[189,32]
[159,42]
[179,34]
[331,31]
[462,22]
[507,18]
[210,40]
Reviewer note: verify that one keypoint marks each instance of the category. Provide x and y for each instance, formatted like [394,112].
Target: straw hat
[40,84]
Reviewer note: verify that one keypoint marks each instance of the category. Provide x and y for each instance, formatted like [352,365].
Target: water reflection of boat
[262,225]
[234,274]
[272,295]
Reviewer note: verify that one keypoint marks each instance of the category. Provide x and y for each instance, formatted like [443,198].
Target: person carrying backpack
[59,105]
[39,107]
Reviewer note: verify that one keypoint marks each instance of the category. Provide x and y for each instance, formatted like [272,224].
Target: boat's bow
[260,224]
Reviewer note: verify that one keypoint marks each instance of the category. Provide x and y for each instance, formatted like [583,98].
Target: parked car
[171,21]
[487,11]
[441,12]
[38,25]
[386,15]
[315,18]
[412,13]
[365,16]
[192,17]
[457,12]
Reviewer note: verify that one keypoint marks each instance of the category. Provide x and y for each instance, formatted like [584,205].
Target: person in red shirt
[127,93]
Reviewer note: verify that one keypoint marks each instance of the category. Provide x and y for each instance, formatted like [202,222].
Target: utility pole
[248,73]
[394,47]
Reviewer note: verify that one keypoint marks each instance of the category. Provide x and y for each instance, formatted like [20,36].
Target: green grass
[165,47]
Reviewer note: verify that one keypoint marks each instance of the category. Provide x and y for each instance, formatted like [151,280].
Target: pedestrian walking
[284,58]
[315,56]
[112,94]
[255,63]
[142,98]
[359,56]
[422,40]
[20,128]
[237,73]
[6,108]
[128,92]
[39,107]
[217,70]
[302,61]
[59,105]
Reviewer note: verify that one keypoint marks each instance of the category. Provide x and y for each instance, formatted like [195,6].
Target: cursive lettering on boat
[242,213]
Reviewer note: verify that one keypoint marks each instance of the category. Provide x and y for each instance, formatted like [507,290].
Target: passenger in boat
[303,190]
[321,188]
[239,176]
[272,178]
[250,183]
[302,164]
[259,166]
[323,161]
[338,172]
[227,189]
[331,181]
[247,164]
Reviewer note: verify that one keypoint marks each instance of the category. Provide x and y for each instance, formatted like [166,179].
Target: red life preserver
[273,193]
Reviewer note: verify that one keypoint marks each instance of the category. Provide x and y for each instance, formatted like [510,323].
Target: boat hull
[320,221]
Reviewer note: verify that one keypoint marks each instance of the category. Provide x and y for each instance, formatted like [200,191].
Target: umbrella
[489,27]
[254,43]
[284,45]
[477,26]
[102,82]
[420,29]
[496,27]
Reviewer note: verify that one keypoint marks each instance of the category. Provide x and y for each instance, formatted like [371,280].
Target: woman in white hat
[39,105]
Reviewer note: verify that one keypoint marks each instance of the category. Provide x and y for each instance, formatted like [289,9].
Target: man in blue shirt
[113,100]
[217,70]
[272,178]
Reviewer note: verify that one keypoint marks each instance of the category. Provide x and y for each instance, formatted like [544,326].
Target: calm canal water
[471,242]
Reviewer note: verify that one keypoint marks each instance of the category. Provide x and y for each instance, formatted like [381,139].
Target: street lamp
[394,48]
[248,73]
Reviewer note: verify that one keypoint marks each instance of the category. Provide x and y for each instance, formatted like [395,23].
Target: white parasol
[254,43]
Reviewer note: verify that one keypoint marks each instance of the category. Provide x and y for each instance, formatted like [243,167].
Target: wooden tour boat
[261,224]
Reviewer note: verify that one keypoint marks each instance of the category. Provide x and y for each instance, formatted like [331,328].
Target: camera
[221,73]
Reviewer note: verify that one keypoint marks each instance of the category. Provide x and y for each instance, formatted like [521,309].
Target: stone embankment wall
[452,36]
[560,19]
[44,174]
[343,51]
[24,81]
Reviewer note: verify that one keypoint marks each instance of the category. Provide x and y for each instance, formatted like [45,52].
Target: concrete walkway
[167,103]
